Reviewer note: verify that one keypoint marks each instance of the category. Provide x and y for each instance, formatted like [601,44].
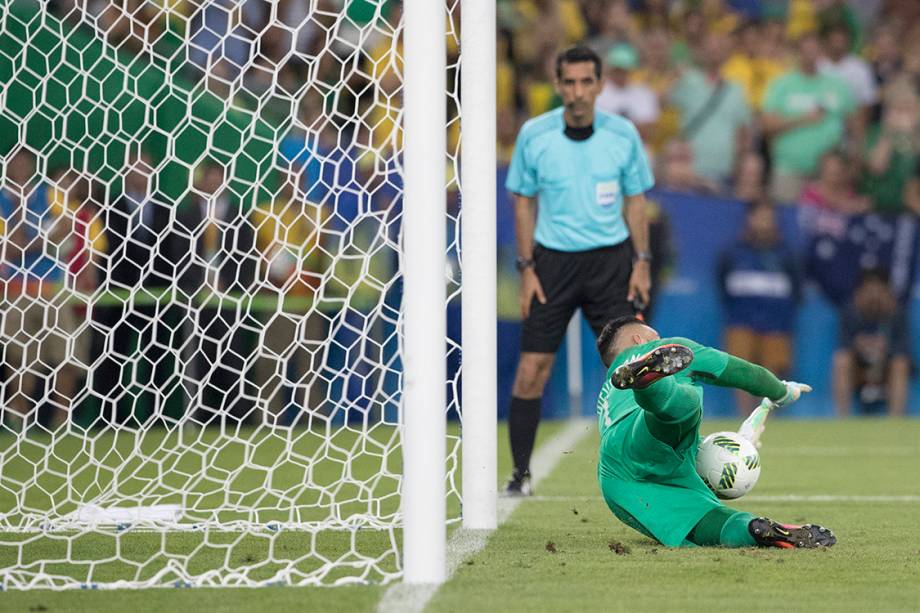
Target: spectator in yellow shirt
[505,73]
[720,18]
[537,84]
[545,23]
[288,231]
[287,237]
[71,192]
[658,73]
[749,67]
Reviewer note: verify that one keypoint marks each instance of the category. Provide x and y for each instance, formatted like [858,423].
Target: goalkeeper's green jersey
[613,404]
[647,483]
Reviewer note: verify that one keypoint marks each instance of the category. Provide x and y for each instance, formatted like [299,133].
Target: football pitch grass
[562,550]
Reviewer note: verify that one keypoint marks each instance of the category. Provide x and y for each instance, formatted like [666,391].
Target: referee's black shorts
[596,280]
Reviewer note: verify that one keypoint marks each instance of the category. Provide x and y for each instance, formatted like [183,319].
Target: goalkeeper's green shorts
[651,486]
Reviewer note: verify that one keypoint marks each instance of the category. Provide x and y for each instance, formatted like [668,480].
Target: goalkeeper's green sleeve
[752,378]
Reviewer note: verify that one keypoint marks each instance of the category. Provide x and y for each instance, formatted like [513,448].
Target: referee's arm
[525,223]
[640,282]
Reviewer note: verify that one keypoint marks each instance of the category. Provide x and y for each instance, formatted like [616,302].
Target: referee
[586,173]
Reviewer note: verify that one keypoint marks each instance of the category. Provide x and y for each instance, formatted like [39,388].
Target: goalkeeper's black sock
[723,526]
[523,419]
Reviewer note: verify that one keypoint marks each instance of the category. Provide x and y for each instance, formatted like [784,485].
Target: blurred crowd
[747,98]
[210,300]
[805,104]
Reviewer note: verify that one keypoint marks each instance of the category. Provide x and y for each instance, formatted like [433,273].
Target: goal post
[424,266]
[478,164]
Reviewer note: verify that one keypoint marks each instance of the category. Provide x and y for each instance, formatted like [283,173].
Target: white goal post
[424,263]
[478,164]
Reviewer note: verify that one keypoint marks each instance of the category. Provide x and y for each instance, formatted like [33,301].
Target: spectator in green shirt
[893,149]
[806,114]
[715,118]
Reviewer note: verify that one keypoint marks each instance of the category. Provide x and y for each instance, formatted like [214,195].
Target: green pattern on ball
[727,443]
[752,461]
[729,472]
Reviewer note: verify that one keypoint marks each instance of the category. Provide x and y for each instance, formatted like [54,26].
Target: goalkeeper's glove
[793,392]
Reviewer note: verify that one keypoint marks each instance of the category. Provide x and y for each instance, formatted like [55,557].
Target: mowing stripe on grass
[848,451]
[768,498]
[832,498]
[463,544]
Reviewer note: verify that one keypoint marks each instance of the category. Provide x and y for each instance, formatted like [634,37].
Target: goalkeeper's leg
[727,527]
[672,410]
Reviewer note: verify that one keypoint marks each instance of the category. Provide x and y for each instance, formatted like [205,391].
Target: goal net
[201,272]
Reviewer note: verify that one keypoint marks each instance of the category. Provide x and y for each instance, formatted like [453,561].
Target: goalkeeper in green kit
[649,413]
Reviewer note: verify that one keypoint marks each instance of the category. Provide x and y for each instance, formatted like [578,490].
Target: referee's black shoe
[769,533]
[660,362]
[519,484]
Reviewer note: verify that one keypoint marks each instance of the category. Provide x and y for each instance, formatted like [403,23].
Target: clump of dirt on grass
[618,548]
[551,546]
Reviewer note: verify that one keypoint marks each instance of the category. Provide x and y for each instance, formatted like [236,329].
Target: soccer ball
[728,463]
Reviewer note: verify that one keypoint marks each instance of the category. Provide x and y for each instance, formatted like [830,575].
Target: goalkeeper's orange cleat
[643,370]
[769,533]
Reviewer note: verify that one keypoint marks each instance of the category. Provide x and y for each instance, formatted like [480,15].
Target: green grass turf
[137,547]
[874,567]
[303,476]
[296,475]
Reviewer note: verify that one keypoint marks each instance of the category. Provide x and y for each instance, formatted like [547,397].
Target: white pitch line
[463,544]
[765,498]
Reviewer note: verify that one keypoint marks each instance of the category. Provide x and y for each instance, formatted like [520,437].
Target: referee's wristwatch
[643,256]
[523,264]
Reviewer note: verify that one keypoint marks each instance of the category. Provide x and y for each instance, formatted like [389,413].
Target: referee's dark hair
[606,341]
[576,54]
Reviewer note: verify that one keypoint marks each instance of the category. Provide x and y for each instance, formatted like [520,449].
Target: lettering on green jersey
[603,403]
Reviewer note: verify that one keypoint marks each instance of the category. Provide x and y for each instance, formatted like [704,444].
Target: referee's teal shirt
[579,184]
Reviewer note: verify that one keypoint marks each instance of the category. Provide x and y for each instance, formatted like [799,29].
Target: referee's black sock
[523,418]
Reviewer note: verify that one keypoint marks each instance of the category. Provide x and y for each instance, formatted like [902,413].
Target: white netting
[201,291]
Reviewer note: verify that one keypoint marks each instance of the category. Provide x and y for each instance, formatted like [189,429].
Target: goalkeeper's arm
[757,380]
[751,378]
[725,370]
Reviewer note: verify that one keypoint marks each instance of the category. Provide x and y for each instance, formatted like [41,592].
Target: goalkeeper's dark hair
[575,55]
[606,341]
